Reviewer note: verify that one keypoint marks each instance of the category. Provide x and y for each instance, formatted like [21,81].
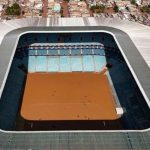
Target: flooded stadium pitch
[68,96]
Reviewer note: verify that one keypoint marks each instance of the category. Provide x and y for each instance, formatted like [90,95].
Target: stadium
[64,80]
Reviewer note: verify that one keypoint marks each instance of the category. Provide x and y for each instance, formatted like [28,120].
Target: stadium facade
[133,42]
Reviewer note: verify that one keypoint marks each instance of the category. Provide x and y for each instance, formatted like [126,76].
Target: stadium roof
[127,35]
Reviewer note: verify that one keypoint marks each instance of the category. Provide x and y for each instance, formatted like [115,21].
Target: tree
[127,8]
[61,12]
[116,8]
[98,8]
[133,2]
[145,9]
[15,9]
[102,8]
[66,1]
[23,12]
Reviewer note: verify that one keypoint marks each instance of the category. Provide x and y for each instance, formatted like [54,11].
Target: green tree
[15,9]
[98,8]
[102,8]
[145,9]
[116,8]
[66,1]
[133,2]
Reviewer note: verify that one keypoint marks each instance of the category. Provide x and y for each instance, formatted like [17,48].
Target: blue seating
[53,52]
[99,52]
[32,52]
[53,64]
[87,51]
[42,52]
[31,63]
[64,52]
[76,64]
[64,64]
[100,62]
[41,64]
[75,52]
[88,63]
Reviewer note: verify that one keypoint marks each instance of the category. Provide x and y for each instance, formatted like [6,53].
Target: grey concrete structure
[126,37]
